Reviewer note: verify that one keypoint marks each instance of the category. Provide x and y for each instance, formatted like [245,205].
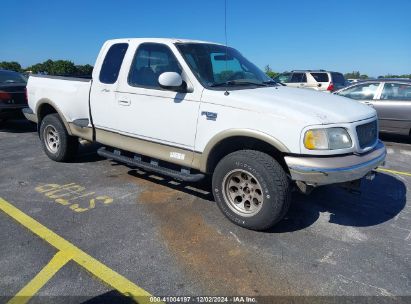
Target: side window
[396,91]
[283,77]
[112,63]
[298,77]
[150,61]
[320,77]
[361,92]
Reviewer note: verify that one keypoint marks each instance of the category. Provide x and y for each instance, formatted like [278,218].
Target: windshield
[11,77]
[215,65]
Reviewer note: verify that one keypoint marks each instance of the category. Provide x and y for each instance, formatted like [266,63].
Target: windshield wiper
[270,82]
[238,82]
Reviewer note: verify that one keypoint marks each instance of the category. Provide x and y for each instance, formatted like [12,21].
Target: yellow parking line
[98,269]
[59,260]
[394,172]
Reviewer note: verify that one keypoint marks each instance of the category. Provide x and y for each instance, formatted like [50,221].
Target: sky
[370,36]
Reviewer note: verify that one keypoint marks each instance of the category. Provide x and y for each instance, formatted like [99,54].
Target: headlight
[327,139]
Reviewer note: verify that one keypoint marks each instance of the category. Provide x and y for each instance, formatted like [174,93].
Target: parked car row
[391,98]
[319,80]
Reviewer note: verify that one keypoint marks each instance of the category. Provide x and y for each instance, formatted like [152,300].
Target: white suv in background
[319,80]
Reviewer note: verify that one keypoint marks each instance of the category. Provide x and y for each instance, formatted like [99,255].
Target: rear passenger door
[394,108]
[103,89]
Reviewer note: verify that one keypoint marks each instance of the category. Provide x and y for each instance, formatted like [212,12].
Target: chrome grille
[367,134]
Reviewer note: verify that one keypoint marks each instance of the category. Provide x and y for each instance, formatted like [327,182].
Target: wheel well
[44,110]
[232,144]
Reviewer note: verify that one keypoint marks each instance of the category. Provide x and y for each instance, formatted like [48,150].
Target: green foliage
[270,73]
[10,65]
[60,67]
[355,75]
[358,75]
[84,70]
[396,76]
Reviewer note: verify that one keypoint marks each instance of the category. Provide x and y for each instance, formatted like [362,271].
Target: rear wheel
[57,143]
[251,189]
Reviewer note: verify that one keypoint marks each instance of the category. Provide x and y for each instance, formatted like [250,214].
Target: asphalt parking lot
[157,236]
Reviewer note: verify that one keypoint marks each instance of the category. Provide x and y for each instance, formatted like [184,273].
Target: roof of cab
[160,40]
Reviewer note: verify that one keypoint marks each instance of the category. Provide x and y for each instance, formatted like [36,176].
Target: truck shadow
[379,201]
[110,297]
[17,126]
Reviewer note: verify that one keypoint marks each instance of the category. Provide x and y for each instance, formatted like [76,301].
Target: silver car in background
[391,98]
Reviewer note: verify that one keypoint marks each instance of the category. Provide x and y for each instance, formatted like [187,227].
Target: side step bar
[153,166]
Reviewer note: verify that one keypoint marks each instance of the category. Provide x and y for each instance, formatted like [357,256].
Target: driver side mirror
[171,81]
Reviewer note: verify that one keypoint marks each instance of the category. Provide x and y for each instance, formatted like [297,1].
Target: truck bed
[70,95]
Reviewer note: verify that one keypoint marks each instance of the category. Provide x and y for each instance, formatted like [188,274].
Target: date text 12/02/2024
[203,299]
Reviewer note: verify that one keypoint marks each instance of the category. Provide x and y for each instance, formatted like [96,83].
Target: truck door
[103,90]
[151,113]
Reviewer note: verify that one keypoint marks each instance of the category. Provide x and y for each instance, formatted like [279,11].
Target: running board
[183,175]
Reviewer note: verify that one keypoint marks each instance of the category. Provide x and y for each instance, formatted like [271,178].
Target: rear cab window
[112,63]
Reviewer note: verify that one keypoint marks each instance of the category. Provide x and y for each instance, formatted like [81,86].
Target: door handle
[105,90]
[124,102]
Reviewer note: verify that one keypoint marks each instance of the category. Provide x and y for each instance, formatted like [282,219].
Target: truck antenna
[226,93]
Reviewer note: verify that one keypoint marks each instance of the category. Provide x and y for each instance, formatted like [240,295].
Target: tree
[270,73]
[10,65]
[50,67]
[62,67]
[84,70]
[396,76]
[355,75]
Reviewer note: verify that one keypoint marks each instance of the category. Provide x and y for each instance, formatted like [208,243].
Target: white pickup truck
[187,108]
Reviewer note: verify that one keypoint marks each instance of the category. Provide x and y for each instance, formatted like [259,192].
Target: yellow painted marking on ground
[394,171]
[98,269]
[56,263]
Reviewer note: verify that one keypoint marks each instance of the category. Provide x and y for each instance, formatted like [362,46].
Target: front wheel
[251,189]
[57,143]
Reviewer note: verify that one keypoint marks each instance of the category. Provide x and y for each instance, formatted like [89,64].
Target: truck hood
[304,105]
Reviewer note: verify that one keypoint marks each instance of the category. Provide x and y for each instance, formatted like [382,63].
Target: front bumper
[318,171]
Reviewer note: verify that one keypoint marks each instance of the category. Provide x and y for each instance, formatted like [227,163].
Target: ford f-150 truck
[186,109]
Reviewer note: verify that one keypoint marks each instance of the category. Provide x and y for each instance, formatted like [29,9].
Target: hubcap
[51,139]
[243,192]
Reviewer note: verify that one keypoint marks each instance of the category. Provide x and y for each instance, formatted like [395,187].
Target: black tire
[273,181]
[67,145]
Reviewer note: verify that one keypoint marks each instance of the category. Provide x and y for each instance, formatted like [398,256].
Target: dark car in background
[12,94]
[391,98]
